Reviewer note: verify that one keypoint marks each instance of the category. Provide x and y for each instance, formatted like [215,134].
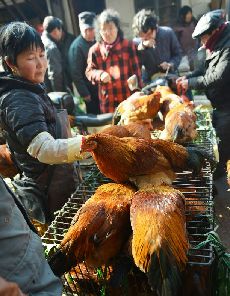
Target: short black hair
[108,16]
[143,21]
[183,12]
[50,23]
[15,38]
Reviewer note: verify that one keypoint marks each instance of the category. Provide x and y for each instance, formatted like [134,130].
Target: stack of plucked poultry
[144,220]
[176,112]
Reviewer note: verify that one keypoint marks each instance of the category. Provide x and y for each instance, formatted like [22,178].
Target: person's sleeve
[78,72]
[135,64]
[24,116]
[176,51]
[50,151]
[217,77]
[92,72]
[55,69]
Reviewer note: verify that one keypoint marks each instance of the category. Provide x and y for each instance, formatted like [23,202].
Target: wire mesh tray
[83,280]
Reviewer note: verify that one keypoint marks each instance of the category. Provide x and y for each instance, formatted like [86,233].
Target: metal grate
[199,212]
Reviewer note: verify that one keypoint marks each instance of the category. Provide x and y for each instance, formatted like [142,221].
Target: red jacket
[120,62]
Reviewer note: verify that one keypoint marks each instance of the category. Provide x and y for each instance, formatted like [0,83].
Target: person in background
[51,35]
[64,45]
[111,61]
[37,135]
[24,270]
[77,59]
[214,33]
[184,29]
[158,46]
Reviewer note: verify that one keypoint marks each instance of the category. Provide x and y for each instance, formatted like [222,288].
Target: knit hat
[86,20]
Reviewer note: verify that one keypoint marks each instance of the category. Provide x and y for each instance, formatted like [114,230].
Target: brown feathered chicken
[137,107]
[159,242]
[99,229]
[7,167]
[134,129]
[141,161]
[180,124]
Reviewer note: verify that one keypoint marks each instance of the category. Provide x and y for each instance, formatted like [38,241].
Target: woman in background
[111,61]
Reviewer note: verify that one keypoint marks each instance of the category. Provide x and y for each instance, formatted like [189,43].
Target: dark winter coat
[77,59]
[26,111]
[215,80]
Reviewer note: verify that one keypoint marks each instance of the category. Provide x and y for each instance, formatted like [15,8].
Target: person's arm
[217,77]
[77,64]
[92,72]
[176,52]
[55,69]
[25,117]
[50,151]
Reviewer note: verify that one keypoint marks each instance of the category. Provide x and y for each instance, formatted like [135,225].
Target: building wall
[126,11]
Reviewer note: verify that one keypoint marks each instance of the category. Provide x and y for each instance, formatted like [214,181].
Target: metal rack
[200,219]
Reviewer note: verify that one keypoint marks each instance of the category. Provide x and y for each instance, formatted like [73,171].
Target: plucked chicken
[180,124]
[137,107]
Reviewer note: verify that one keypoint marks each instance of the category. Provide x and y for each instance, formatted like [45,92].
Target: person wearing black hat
[77,57]
[214,33]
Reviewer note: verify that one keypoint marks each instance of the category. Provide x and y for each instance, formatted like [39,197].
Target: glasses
[108,30]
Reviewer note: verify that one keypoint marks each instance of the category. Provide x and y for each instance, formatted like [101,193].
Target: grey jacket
[55,73]
[21,253]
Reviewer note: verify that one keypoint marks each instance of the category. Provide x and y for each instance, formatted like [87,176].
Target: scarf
[108,47]
[214,38]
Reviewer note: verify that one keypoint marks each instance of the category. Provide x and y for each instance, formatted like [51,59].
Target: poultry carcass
[7,166]
[180,124]
[159,242]
[137,107]
[98,231]
[141,161]
[134,129]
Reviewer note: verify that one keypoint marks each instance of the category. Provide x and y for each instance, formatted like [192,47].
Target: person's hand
[105,77]
[178,81]
[9,289]
[87,98]
[165,66]
[149,43]
[184,84]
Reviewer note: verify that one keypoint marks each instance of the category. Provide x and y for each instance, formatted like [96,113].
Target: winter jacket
[121,62]
[55,72]
[77,59]
[25,112]
[21,253]
[167,49]
[215,80]
[184,32]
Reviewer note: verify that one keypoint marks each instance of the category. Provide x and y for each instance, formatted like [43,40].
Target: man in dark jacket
[78,54]
[50,37]
[158,46]
[215,37]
